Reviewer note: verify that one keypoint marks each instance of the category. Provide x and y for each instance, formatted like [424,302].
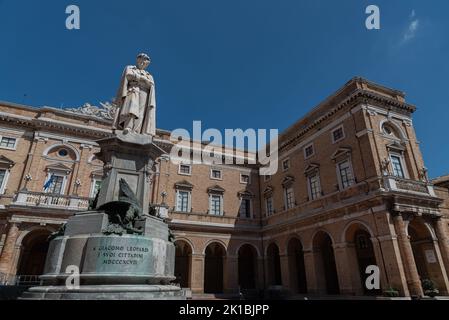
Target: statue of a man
[136,99]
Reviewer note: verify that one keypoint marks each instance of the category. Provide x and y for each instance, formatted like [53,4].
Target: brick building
[351,191]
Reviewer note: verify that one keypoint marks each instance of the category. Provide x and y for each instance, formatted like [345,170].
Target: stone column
[309,262]
[443,276]
[345,267]
[8,257]
[394,266]
[285,272]
[443,241]
[411,271]
[231,274]
[380,262]
[197,279]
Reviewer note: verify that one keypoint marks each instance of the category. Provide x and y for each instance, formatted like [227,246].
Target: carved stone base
[130,157]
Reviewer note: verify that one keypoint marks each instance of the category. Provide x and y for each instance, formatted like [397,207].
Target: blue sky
[231,64]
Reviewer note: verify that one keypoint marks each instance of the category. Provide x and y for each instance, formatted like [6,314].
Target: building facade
[351,191]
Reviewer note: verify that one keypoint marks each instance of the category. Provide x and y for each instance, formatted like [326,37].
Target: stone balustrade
[406,185]
[46,200]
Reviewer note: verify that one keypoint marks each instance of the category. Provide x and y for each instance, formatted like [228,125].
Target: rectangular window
[9,143]
[267,178]
[315,187]
[244,178]
[269,204]
[338,134]
[346,177]
[245,208]
[182,201]
[285,165]
[95,188]
[289,198]
[309,151]
[185,169]
[216,174]
[56,185]
[2,180]
[396,164]
[215,205]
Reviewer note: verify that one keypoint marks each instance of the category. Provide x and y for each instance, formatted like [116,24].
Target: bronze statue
[124,213]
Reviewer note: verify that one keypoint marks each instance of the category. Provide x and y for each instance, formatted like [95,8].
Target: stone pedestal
[130,157]
[110,266]
[132,260]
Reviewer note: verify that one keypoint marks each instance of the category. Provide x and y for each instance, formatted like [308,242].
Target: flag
[49,182]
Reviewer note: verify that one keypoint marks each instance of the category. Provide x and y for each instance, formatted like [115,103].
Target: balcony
[52,201]
[410,186]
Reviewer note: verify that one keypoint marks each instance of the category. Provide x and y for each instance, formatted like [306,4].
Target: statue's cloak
[149,120]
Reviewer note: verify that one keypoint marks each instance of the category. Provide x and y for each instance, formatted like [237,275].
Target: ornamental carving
[106,111]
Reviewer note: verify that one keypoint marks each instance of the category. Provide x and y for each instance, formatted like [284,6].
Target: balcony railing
[19,280]
[46,200]
[406,185]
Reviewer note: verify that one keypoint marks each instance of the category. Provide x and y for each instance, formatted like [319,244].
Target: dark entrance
[213,268]
[247,267]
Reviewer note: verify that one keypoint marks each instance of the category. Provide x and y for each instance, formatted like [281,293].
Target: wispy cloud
[412,28]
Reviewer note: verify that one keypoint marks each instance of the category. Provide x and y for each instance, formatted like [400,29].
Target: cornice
[358,96]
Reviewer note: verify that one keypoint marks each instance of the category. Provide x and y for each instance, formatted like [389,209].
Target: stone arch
[221,242]
[273,241]
[427,254]
[324,230]
[33,244]
[360,254]
[183,263]
[62,145]
[395,126]
[25,232]
[247,266]
[325,265]
[256,248]
[188,241]
[350,224]
[214,257]
[290,237]
[273,261]
[296,264]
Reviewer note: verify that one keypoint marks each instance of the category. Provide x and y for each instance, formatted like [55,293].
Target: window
[390,131]
[396,164]
[345,174]
[56,184]
[216,174]
[267,178]
[314,186]
[63,153]
[244,178]
[183,201]
[216,207]
[309,151]
[96,185]
[269,205]
[286,165]
[3,178]
[289,198]
[362,241]
[338,134]
[185,169]
[8,143]
[245,208]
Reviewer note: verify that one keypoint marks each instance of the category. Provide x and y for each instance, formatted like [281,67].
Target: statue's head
[143,61]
